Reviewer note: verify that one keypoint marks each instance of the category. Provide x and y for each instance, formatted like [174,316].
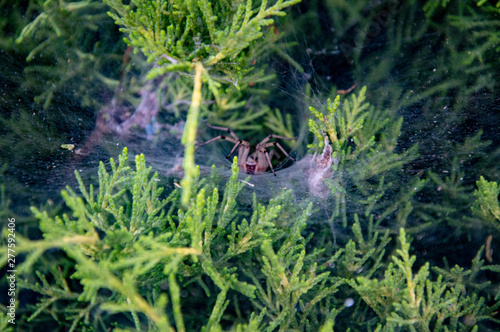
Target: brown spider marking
[257,162]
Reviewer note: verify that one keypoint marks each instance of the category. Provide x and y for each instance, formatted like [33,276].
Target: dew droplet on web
[348,302]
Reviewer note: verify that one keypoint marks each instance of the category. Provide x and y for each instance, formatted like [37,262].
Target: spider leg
[269,161]
[277,136]
[234,148]
[233,135]
[279,147]
[235,141]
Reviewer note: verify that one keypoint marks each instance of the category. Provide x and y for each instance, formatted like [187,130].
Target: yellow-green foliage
[363,141]
[135,249]
[129,239]
[416,302]
[352,126]
[135,253]
[175,34]
[487,205]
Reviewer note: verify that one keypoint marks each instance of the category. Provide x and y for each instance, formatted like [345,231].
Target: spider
[260,159]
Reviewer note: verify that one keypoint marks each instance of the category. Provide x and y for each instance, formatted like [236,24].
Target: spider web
[435,121]
[413,83]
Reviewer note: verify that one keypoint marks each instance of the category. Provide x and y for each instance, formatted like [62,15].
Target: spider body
[260,160]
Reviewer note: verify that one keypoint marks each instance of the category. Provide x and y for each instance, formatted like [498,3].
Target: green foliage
[112,244]
[189,137]
[135,249]
[454,56]
[4,323]
[487,205]
[363,142]
[175,34]
[477,18]
[432,5]
[200,35]
[448,196]
[128,240]
[13,21]
[352,129]
[416,302]
[164,31]
[291,274]
[363,256]
[279,125]
[68,52]
[134,254]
